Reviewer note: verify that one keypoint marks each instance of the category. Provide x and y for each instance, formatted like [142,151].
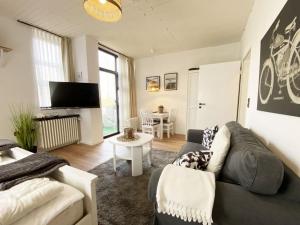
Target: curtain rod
[50,32]
[31,25]
[110,49]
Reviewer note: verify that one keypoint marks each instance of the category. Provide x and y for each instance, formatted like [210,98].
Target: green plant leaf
[24,126]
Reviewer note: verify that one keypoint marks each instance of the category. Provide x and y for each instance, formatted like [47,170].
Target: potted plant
[24,128]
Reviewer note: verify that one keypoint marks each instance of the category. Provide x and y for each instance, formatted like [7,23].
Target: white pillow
[219,147]
[23,198]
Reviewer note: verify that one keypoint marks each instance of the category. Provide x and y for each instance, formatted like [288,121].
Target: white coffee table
[133,151]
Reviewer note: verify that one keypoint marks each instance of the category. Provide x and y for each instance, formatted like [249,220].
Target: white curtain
[48,64]
[67,57]
[124,92]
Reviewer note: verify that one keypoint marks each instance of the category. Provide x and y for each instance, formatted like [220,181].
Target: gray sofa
[235,202]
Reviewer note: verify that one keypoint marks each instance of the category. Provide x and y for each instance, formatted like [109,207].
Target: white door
[213,95]
[243,99]
[193,99]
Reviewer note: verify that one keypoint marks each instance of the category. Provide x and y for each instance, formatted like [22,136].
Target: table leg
[114,158]
[137,161]
[161,127]
[150,154]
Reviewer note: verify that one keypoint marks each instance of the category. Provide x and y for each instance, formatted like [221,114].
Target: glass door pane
[107,61]
[109,103]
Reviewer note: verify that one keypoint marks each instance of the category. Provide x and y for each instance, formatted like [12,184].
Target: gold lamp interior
[105,10]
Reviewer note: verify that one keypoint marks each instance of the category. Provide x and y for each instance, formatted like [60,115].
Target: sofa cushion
[259,172]
[250,164]
[290,187]
[208,136]
[235,206]
[191,147]
[219,148]
[192,160]
[195,136]
[194,147]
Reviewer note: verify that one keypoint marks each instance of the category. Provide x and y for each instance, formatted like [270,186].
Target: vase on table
[129,133]
[160,109]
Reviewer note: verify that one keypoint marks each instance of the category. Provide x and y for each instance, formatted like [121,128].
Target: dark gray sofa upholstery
[195,136]
[251,164]
[234,204]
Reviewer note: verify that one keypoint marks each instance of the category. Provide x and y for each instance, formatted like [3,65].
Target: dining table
[161,117]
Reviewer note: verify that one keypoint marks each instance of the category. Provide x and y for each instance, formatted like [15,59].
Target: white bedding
[46,213]
[21,199]
[70,216]
[68,201]
[6,160]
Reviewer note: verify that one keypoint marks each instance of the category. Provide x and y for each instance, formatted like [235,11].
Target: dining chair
[169,125]
[148,124]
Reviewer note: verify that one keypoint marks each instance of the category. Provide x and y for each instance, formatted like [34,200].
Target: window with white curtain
[124,95]
[48,63]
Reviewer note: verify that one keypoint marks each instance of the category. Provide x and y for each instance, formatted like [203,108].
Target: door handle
[201,104]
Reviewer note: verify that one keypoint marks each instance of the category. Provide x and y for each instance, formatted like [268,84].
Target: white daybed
[83,212]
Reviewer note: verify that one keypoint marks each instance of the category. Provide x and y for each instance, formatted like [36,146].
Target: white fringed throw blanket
[186,193]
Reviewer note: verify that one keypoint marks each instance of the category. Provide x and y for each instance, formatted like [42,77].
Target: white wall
[17,79]
[85,49]
[279,132]
[17,85]
[177,62]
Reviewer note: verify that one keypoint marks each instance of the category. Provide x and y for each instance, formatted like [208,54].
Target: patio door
[109,93]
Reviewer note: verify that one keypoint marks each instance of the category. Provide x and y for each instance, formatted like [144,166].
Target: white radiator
[58,131]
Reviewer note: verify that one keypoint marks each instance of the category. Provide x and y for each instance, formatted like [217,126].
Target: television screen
[74,95]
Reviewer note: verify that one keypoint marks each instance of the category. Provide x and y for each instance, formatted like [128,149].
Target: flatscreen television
[74,95]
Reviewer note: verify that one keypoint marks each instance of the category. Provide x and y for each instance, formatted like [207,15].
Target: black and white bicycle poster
[279,80]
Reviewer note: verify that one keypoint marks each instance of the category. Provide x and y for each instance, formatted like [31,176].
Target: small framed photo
[153,83]
[171,81]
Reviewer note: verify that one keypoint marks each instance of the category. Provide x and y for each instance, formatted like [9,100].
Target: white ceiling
[162,25]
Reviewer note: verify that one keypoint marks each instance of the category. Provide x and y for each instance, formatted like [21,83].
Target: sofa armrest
[195,136]
[152,185]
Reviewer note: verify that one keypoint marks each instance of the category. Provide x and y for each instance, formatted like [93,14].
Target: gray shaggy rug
[121,198]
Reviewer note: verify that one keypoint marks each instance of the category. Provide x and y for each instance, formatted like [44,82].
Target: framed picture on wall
[279,79]
[153,83]
[171,81]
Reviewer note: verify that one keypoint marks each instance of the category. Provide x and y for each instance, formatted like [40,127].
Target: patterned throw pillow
[208,154]
[208,136]
[193,160]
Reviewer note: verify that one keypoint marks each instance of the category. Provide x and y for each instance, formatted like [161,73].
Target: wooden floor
[86,157]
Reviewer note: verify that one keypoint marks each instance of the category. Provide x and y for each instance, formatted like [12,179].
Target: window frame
[116,74]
